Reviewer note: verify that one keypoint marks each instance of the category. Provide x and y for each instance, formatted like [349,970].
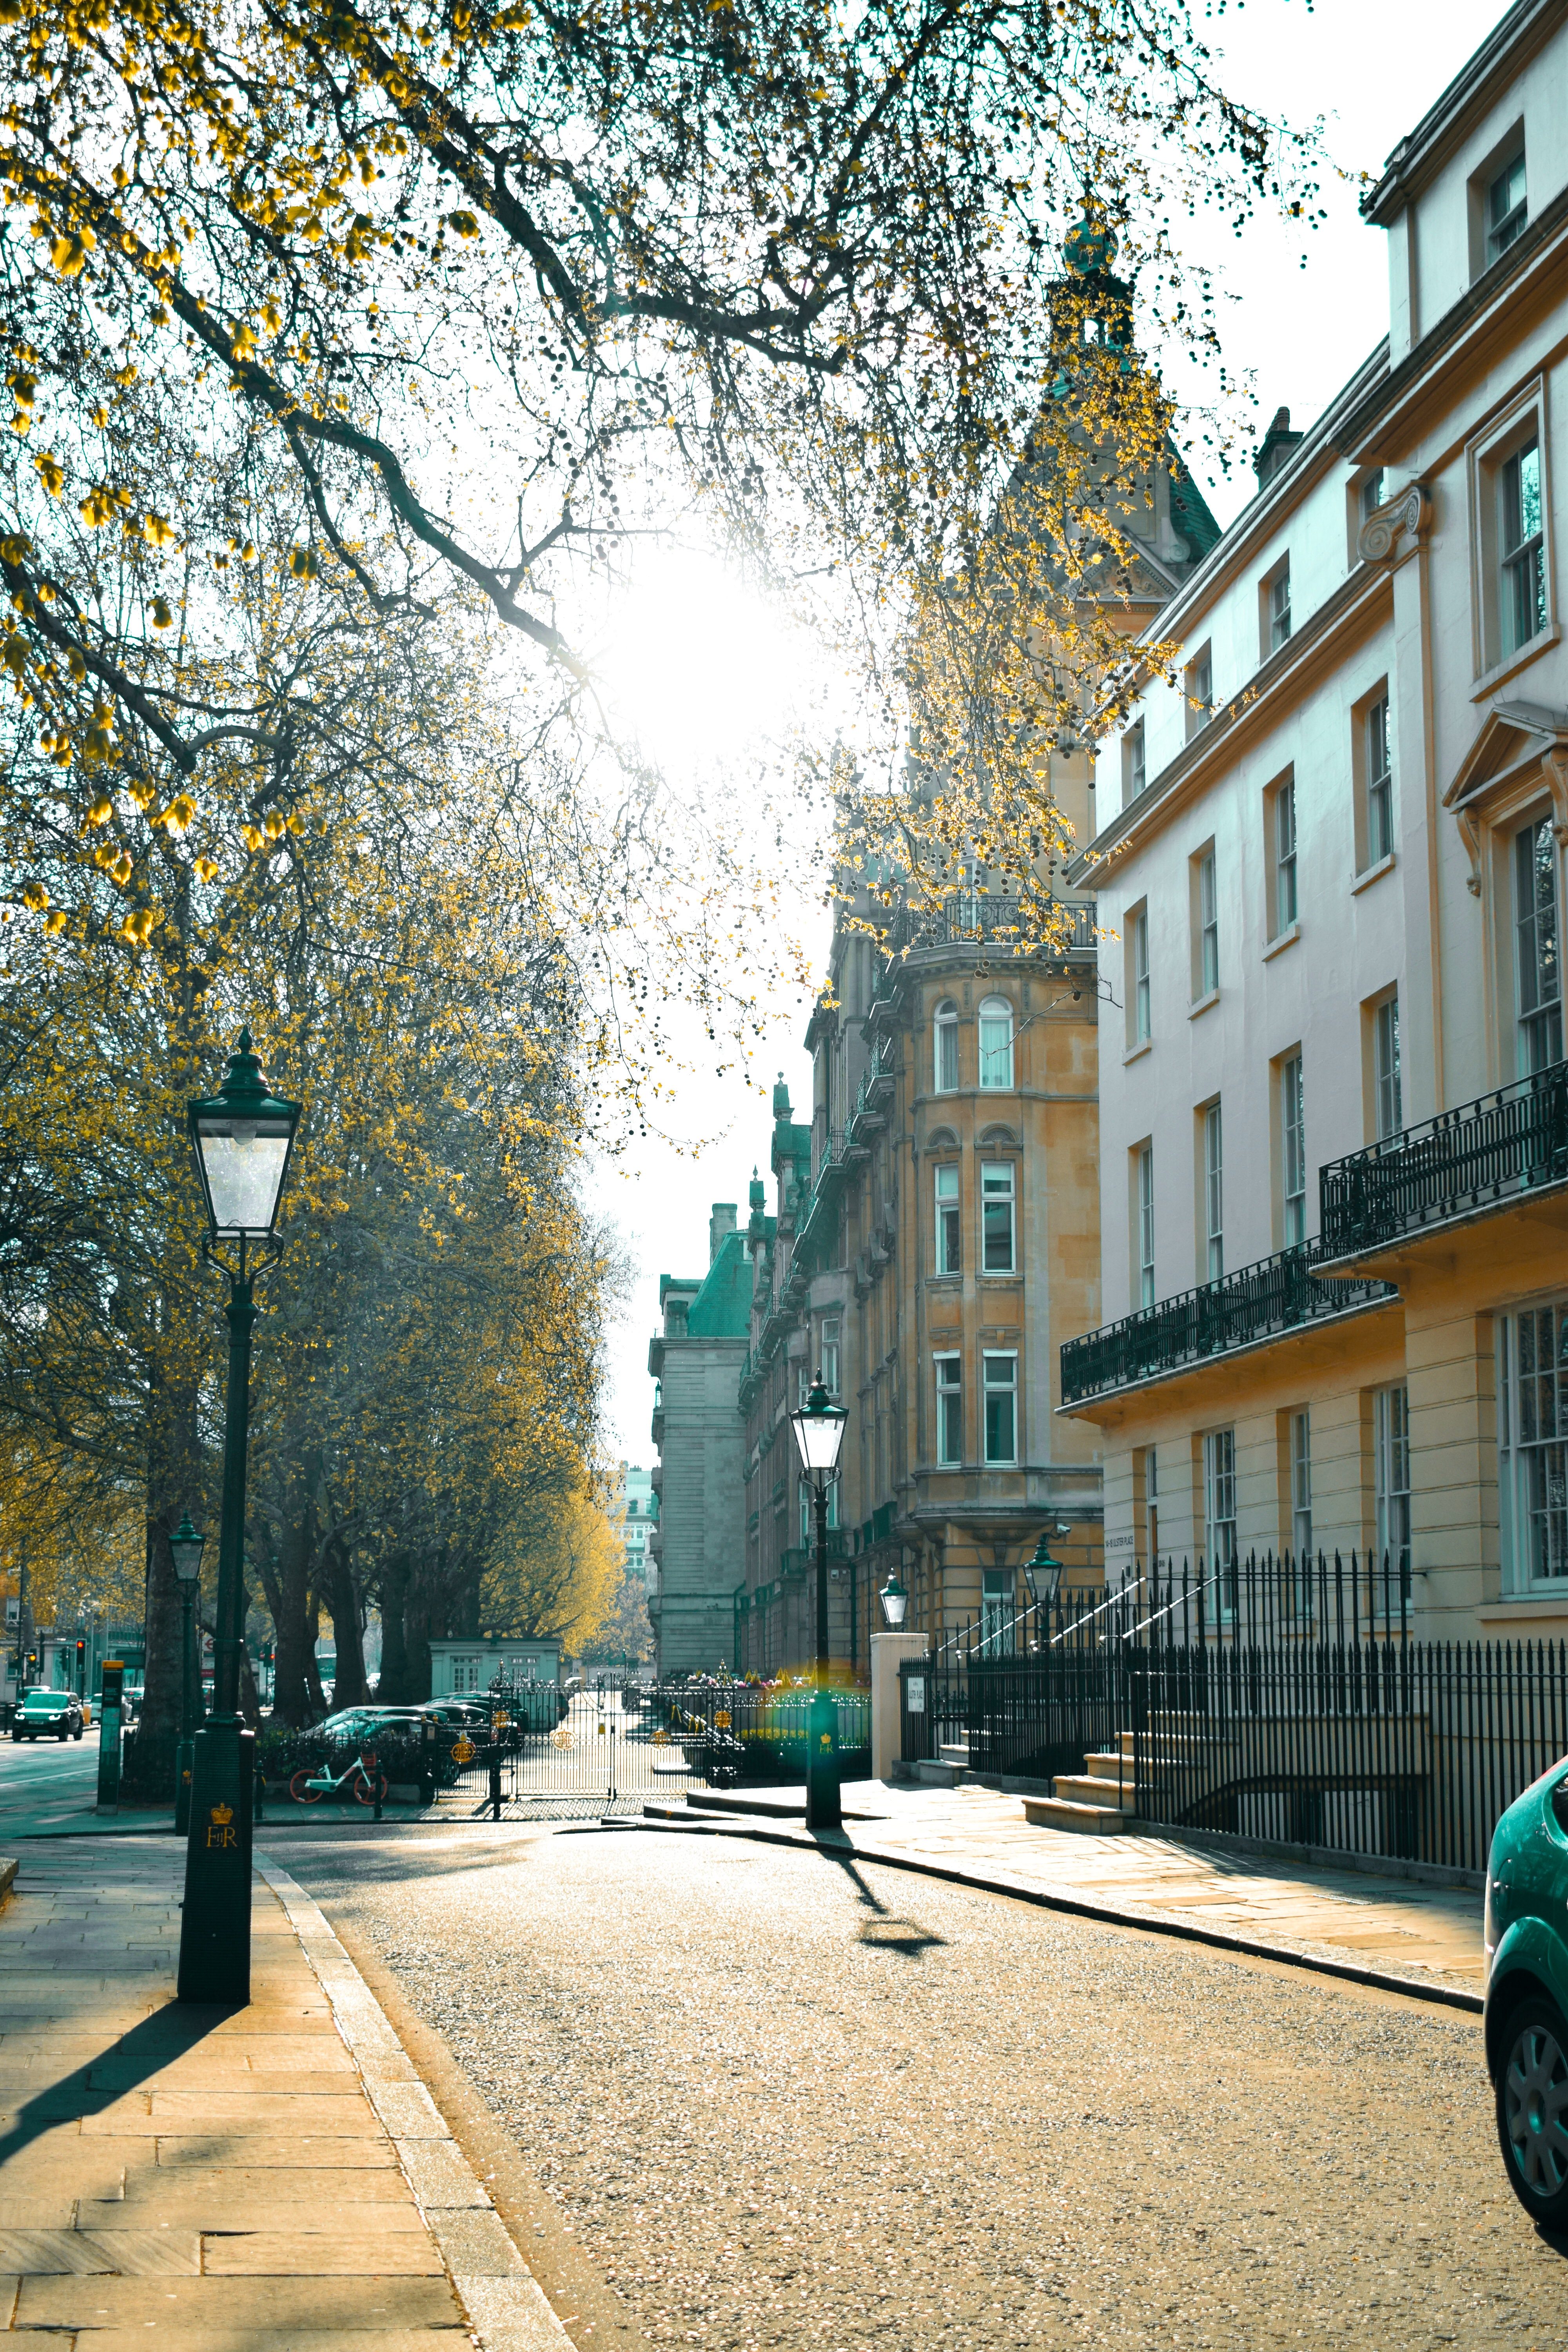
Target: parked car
[1525,1932]
[362,1722]
[48,1715]
[466,1714]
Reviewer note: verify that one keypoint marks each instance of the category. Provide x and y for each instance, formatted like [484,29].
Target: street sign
[109,1736]
[462,1749]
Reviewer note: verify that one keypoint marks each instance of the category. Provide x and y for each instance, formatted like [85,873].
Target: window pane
[1539,968]
[1390,1102]
[946,1050]
[1213,1192]
[1293,1150]
[1146,1225]
[1000,1374]
[995,1043]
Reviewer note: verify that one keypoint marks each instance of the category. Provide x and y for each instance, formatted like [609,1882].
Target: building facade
[637,1514]
[1329,868]
[696,1539]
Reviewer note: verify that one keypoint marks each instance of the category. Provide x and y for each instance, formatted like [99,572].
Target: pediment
[1512,738]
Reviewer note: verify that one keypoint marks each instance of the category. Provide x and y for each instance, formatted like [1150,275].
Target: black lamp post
[819,1432]
[1043,1575]
[186,1547]
[895,1603]
[243,1138]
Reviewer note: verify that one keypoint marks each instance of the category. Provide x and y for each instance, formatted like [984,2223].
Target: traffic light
[32,1666]
[82,1670]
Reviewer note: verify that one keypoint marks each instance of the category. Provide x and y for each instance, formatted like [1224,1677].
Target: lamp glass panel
[244,1160]
[895,1601]
[187,1557]
[819,1436]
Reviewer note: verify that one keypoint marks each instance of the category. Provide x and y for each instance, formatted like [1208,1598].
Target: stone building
[1333,1098]
[695,1544]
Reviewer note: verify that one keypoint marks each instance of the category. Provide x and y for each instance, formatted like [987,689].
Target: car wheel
[1533,2110]
[77,1733]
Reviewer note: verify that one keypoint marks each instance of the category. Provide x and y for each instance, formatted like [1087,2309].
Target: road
[42,1778]
[762,2101]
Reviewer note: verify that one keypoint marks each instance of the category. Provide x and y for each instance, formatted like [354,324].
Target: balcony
[1463,1162]
[991,920]
[1276,1296]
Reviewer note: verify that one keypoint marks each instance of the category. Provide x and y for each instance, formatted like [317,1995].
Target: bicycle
[365,1782]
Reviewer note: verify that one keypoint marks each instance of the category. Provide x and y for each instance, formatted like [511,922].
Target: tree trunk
[313,1691]
[351,1689]
[393,1688]
[290,1694]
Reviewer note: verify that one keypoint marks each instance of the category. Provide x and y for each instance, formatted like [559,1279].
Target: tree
[493,285]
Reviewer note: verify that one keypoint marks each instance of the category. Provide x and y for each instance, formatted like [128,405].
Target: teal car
[1526,1938]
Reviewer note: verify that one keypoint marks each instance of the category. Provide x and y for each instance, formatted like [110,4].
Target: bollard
[258,1797]
[495,1788]
[428,1765]
[375,1782]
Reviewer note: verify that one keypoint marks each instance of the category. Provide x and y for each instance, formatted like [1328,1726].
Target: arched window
[995,1042]
[945,1032]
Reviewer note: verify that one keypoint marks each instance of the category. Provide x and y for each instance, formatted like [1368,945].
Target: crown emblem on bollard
[223,1815]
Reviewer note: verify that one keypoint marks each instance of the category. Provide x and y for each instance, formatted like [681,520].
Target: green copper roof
[1190,513]
[722,1307]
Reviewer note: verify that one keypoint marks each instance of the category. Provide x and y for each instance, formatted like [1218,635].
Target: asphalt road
[762,2099]
[38,1775]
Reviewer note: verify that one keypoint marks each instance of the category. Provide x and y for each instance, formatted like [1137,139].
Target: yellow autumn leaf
[162,616]
[34,895]
[251,836]
[51,472]
[55,924]
[101,811]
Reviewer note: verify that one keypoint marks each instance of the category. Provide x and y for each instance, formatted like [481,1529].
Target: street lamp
[819,1432]
[185,1549]
[1043,1575]
[895,1603]
[243,1137]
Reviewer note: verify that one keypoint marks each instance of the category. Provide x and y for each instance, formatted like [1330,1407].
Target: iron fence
[1276,1697]
[1503,1144]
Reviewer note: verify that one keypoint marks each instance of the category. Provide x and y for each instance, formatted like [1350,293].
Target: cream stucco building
[1333,1101]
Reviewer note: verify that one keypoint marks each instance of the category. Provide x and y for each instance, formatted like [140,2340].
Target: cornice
[1422,153]
[1488,309]
[1352,610]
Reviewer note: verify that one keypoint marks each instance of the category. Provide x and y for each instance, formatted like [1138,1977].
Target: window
[831,1328]
[1219,1515]
[1205,963]
[1391,1480]
[949,1250]
[1293,1152]
[995,1042]
[1284,855]
[949,1410]
[1133,772]
[1378,783]
[1214,1195]
[805,1533]
[1146,1225]
[944,1076]
[1370,495]
[801,1386]
[1533,1442]
[1388,1095]
[997,1202]
[1301,1488]
[1506,210]
[1143,1007]
[1198,677]
[998,1636]
[1277,609]
[1539,969]
[999,1376]
[1521,547]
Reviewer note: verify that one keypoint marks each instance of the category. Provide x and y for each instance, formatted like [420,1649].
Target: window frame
[1204,895]
[1505,227]
[948,1254]
[996,1198]
[949,1392]
[990,1390]
[944,1040]
[1282,848]
[1211,1163]
[1495,653]
[1387,1075]
[1274,609]
[1197,690]
[1143,1211]
[1138,998]
[1292,1150]
[1390,1498]
[1134,762]
[830,1354]
[988,1013]
[1521,550]
[1539,1021]
[1300,1457]
[1524,1499]
[1219,1486]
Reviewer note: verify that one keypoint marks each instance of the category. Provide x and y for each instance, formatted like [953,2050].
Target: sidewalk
[273,2177]
[1403,1932]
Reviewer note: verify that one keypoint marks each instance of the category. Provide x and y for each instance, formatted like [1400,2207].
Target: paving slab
[271,2179]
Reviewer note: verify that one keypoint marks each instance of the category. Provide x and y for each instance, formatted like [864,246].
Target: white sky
[1370,68]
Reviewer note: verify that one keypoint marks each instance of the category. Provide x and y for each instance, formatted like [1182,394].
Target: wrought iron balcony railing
[1507,1143]
[989,917]
[1258,1302]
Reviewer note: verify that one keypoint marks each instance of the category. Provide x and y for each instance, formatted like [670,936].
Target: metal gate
[601,1757]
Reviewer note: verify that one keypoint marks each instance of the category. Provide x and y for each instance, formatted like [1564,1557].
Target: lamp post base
[214,1923]
[185,1764]
[823,1809]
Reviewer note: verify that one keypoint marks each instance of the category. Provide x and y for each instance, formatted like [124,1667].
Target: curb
[1078,1907]
[504,2301]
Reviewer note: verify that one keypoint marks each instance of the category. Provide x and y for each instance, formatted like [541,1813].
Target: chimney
[721,1222]
[1274,449]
